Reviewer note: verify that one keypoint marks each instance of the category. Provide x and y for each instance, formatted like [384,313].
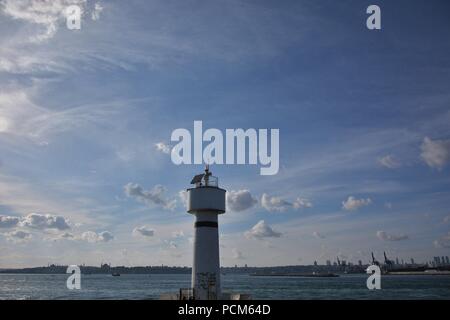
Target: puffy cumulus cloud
[262,230]
[277,204]
[93,237]
[300,203]
[154,196]
[435,153]
[49,14]
[443,242]
[390,162]
[236,254]
[178,234]
[143,231]
[8,221]
[18,236]
[352,204]
[44,221]
[162,147]
[183,195]
[318,235]
[240,200]
[383,235]
[274,203]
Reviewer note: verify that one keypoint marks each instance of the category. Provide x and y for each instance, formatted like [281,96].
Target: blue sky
[363,117]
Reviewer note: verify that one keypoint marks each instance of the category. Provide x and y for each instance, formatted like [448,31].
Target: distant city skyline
[86,117]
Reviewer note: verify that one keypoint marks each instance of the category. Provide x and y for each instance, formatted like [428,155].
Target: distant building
[447,260]
[335,264]
[396,261]
[315,263]
[412,261]
[329,262]
[437,261]
[359,262]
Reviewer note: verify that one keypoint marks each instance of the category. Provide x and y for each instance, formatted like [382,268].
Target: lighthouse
[206,201]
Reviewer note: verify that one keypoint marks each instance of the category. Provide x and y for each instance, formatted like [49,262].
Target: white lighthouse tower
[206,201]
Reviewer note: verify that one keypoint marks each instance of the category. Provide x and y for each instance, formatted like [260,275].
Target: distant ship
[115,274]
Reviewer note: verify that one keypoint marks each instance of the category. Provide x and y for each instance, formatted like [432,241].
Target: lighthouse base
[224,296]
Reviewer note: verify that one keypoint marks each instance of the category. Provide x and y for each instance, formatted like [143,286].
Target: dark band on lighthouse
[210,224]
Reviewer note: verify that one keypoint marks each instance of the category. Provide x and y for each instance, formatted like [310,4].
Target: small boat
[115,274]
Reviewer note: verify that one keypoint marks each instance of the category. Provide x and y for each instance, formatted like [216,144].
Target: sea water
[144,286]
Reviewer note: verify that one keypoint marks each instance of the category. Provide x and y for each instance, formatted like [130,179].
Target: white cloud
[262,230]
[390,162]
[382,235]
[153,196]
[300,203]
[143,231]
[352,204]
[435,153]
[8,221]
[183,195]
[170,244]
[18,236]
[236,254]
[44,221]
[318,235]
[240,200]
[162,147]
[93,237]
[47,14]
[277,204]
[274,203]
[178,234]
[95,15]
[443,242]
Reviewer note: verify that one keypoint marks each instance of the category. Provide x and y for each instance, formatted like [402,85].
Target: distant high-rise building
[437,261]
[443,260]
[328,263]
[335,263]
[344,263]
[403,262]
[359,262]
[315,263]
[412,261]
[396,261]
[447,260]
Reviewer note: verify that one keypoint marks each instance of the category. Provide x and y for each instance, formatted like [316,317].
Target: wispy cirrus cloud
[389,161]
[49,15]
[435,153]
